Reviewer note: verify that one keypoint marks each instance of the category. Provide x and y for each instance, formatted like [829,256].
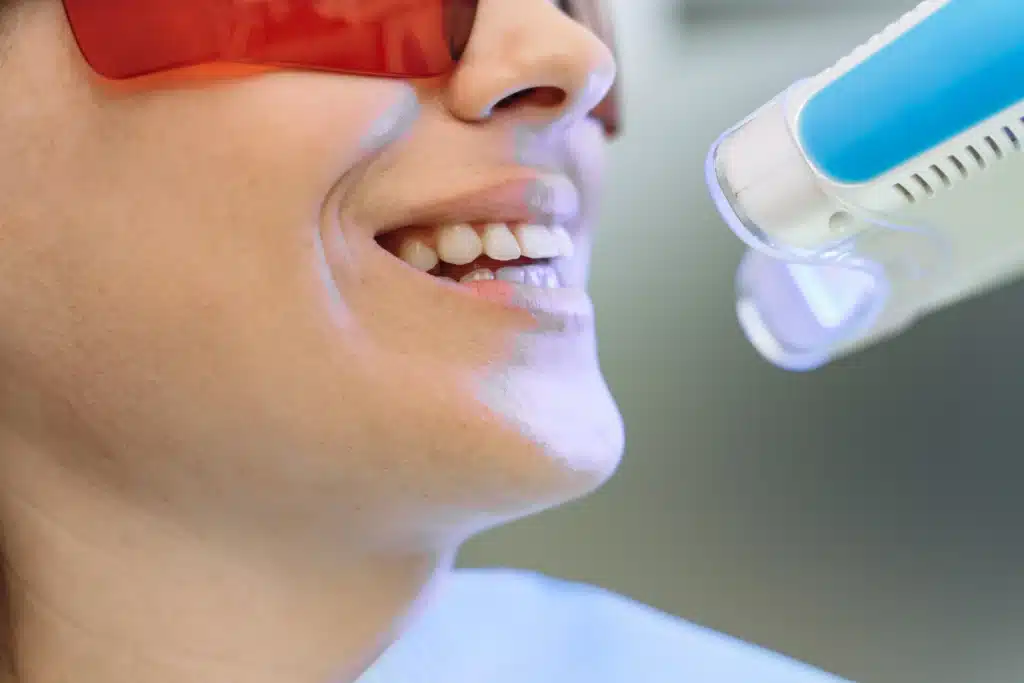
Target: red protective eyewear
[410,39]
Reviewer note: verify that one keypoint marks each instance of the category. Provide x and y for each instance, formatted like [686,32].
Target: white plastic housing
[861,261]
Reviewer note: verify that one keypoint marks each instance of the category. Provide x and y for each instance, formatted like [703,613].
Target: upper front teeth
[461,244]
[537,241]
[500,244]
[566,247]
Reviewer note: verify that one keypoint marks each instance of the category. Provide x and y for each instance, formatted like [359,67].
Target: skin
[238,439]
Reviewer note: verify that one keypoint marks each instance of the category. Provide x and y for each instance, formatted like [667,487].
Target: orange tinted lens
[123,39]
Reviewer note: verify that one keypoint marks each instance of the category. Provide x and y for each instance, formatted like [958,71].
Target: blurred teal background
[866,518]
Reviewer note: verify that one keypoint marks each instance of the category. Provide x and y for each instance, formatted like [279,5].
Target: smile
[522,253]
[513,233]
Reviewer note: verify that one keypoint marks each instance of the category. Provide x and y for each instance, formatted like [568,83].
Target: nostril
[546,97]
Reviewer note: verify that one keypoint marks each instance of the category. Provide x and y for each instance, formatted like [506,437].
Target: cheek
[173,229]
[296,132]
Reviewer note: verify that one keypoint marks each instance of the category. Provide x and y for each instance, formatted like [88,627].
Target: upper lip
[536,197]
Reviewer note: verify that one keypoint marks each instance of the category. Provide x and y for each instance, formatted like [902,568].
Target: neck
[101,593]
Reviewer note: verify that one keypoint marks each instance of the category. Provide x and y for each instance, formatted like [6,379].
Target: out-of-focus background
[866,518]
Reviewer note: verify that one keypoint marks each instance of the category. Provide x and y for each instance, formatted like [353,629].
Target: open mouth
[522,253]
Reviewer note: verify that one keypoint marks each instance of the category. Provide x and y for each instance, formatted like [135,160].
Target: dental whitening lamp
[884,188]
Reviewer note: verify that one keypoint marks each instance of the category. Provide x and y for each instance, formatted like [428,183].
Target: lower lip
[561,302]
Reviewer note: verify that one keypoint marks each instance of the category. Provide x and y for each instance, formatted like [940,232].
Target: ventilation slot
[1002,142]
[941,175]
[959,166]
[976,155]
[905,193]
[923,184]
[994,146]
[1012,137]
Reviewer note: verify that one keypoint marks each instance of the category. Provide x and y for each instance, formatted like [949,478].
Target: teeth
[541,276]
[478,275]
[417,254]
[566,248]
[535,276]
[551,280]
[537,241]
[512,274]
[500,244]
[459,244]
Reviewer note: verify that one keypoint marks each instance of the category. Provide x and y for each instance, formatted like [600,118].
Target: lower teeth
[535,276]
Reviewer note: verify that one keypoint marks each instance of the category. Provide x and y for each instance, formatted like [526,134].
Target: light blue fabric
[497,626]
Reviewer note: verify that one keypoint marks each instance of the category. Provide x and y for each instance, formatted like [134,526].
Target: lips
[523,198]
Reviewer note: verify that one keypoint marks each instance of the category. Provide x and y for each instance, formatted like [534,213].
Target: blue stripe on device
[957,68]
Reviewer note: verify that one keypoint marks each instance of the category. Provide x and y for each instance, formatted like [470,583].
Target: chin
[572,431]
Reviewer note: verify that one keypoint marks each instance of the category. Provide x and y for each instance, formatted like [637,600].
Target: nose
[530,60]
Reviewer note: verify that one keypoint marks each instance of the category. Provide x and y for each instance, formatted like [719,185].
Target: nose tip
[530,60]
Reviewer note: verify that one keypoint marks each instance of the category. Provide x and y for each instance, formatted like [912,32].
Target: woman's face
[204,300]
